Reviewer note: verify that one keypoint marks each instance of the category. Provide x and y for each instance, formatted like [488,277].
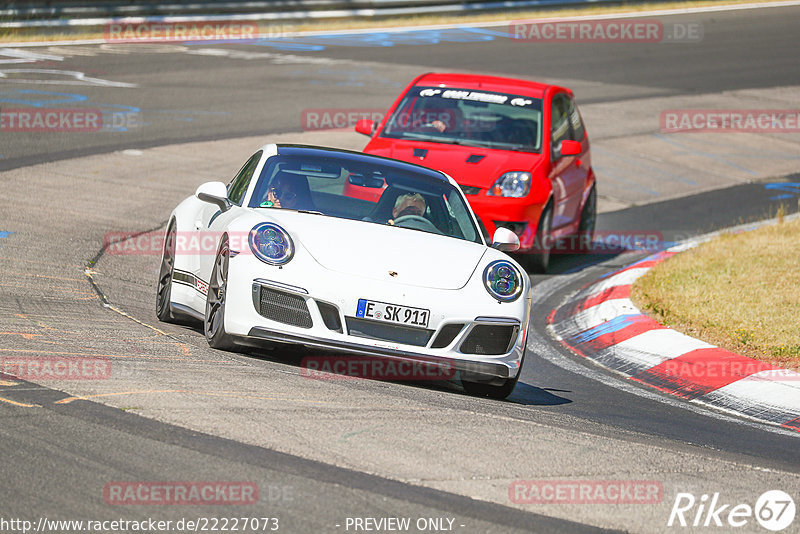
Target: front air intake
[283,307]
[490,340]
[330,316]
[446,335]
[388,332]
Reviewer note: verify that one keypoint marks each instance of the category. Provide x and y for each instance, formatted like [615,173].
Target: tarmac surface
[173,409]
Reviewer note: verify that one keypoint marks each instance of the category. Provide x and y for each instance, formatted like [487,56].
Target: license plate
[392,313]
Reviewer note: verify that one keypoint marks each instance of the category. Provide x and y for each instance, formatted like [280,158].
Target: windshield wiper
[522,148]
[505,146]
[426,138]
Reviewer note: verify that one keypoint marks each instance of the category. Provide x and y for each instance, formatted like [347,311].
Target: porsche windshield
[467,117]
[370,191]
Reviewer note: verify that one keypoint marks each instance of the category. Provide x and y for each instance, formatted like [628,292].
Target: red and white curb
[601,323]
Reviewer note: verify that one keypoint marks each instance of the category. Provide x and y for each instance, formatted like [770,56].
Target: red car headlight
[512,184]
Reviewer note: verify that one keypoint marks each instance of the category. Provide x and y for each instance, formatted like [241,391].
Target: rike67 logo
[774,510]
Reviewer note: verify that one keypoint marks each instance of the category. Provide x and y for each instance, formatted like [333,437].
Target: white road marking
[25,56]
[71,77]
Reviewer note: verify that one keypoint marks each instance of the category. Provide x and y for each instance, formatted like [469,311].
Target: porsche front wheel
[214,324]
[164,290]
[494,391]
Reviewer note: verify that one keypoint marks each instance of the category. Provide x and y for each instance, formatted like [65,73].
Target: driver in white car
[408,204]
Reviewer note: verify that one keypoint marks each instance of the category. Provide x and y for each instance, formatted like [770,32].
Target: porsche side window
[238,186]
[559,120]
[460,216]
[578,130]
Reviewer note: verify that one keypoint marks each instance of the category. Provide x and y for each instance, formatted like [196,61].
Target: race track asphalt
[175,410]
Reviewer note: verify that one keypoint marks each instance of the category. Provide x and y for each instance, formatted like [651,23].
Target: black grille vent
[388,332]
[330,316]
[446,335]
[284,308]
[489,339]
[468,190]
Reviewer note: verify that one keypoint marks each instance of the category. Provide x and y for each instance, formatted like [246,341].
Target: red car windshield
[468,117]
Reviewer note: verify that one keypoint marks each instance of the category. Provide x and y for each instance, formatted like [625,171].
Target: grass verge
[740,292]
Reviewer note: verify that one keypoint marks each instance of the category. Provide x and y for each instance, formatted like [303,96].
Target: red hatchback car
[519,150]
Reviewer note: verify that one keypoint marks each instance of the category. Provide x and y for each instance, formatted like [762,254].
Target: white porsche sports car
[285,254]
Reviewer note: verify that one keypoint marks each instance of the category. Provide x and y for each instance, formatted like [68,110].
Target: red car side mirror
[569,148]
[365,126]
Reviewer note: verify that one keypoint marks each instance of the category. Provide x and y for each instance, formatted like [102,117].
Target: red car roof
[487,83]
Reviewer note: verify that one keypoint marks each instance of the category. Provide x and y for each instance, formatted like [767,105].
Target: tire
[499,392]
[587,223]
[539,261]
[214,323]
[164,310]
[479,389]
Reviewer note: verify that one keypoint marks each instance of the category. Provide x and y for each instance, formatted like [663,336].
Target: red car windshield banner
[486,97]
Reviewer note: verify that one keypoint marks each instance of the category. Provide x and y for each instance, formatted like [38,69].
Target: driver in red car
[408,204]
[446,117]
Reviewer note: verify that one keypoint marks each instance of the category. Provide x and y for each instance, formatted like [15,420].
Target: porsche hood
[381,252]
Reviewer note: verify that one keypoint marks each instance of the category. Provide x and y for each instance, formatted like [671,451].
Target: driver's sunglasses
[284,195]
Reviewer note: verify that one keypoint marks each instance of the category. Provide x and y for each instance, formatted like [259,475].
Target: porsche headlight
[503,281]
[271,244]
[512,184]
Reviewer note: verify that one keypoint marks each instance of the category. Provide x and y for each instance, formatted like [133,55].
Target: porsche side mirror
[505,240]
[568,148]
[214,193]
[365,126]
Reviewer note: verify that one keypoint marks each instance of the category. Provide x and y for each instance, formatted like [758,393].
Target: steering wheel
[416,222]
[428,127]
